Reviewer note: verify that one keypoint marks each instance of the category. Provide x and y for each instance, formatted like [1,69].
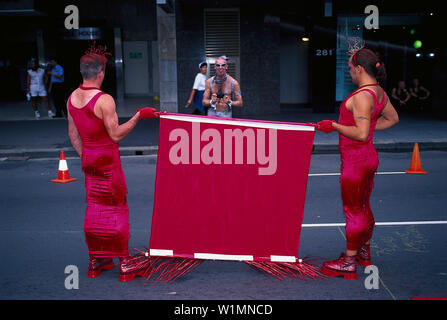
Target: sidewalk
[23,136]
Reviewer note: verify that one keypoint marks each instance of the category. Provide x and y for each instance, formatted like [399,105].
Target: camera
[220,95]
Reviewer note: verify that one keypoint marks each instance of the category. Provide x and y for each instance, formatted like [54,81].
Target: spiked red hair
[97,52]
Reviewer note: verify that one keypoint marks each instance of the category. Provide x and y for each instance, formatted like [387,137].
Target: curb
[319,148]
[384,146]
[25,154]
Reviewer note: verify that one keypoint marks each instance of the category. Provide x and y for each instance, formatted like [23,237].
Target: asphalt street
[42,233]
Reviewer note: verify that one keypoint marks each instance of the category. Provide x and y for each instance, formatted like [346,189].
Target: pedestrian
[401,96]
[419,96]
[198,89]
[57,88]
[94,132]
[222,92]
[363,111]
[35,85]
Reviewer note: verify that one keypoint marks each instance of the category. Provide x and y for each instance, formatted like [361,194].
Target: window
[222,37]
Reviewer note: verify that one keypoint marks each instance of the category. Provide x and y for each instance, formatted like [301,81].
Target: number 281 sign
[324,52]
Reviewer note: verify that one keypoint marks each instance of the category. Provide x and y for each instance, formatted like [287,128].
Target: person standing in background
[400,96]
[35,85]
[419,96]
[57,89]
[198,89]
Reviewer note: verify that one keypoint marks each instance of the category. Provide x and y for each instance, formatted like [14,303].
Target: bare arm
[393,94]
[57,75]
[388,117]
[427,93]
[73,133]
[116,131]
[237,102]
[408,96]
[28,80]
[361,111]
[206,101]
[46,78]
[191,96]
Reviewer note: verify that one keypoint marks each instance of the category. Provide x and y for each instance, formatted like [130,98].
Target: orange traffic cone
[415,165]
[63,176]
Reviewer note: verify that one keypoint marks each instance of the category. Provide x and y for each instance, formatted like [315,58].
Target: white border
[282,258]
[213,256]
[264,125]
[338,173]
[162,253]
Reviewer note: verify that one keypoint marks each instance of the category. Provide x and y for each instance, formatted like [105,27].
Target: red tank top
[91,128]
[347,118]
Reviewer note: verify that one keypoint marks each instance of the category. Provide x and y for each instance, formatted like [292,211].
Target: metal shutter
[222,37]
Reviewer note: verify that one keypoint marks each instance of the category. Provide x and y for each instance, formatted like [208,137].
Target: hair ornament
[354,46]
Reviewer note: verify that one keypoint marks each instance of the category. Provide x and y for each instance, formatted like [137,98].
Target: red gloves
[148,113]
[325,126]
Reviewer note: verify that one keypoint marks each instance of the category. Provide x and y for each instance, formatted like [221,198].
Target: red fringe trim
[166,269]
[162,269]
[283,270]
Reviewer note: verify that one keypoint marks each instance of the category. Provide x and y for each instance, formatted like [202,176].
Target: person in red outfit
[363,111]
[94,132]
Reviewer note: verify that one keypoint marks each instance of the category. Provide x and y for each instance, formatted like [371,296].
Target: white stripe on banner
[162,253]
[63,165]
[282,258]
[213,256]
[396,223]
[264,125]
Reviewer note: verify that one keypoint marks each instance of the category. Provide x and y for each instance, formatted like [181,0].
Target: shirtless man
[222,92]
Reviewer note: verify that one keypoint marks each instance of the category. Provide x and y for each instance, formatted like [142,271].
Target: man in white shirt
[36,88]
[198,89]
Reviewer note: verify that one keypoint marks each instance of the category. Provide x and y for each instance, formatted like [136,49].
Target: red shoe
[96,265]
[344,266]
[364,256]
[128,270]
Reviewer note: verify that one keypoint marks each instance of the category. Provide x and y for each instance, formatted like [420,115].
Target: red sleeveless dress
[359,162]
[106,223]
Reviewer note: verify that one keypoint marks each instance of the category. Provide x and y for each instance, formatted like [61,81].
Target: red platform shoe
[128,270]
[344,266]
[364,256]
[96,266]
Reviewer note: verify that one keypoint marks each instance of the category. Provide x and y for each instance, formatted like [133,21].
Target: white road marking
[394,223]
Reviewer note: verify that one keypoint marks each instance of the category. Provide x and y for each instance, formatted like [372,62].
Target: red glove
[325,126]
[148,113]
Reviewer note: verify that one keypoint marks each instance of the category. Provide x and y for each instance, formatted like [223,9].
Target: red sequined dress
[106,223]
[359,162]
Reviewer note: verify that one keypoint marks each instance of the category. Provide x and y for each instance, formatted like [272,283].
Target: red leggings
[358,167]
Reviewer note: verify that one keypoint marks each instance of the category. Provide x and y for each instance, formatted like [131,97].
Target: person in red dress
[94,132]
[363,111]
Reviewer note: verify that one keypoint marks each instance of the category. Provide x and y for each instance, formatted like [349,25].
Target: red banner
[230,189]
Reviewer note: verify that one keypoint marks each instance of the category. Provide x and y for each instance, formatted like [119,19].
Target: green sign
[135,55]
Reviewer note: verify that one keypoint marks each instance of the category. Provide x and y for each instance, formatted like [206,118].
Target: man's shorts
[37,91]
[228,113]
